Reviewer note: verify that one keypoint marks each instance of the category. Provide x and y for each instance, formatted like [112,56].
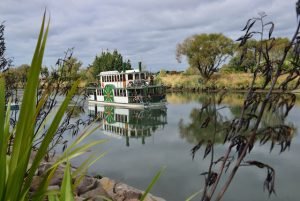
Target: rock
[123,192]
[95,194]
[51,188]
[87,184]
[91,188]
[36,180]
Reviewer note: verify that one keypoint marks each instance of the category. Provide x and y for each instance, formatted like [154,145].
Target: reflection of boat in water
[129,123]
[130,88]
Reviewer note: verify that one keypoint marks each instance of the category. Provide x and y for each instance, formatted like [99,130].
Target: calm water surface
[164,138]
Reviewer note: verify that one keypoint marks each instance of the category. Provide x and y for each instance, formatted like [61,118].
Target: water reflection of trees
[195,130]
[201,125]
[218,121]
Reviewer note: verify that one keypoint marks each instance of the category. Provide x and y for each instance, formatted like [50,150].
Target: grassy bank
[230,81]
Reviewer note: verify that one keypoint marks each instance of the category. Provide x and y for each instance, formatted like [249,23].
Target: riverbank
[91,188]
[235,82]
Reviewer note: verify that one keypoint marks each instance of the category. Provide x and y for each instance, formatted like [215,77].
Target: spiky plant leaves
[4,137]
[194,195]
[269,183]
[150,186]
[66,193]
[271,28]
[196,148]
[24,130]
[208,148]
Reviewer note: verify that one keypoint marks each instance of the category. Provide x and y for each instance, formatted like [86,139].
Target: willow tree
[205,52]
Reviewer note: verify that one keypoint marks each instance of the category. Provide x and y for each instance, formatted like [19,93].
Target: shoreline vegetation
[233,82]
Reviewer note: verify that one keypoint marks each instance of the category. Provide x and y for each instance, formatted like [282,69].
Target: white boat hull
[131,105]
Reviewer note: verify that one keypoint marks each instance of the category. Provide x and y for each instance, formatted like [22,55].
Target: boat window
[130,76]
[113,78]
[136,77]
[121,77]
[124,77]
[142,76]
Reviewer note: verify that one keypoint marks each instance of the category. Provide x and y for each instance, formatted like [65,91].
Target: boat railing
[137,83]
[146,99]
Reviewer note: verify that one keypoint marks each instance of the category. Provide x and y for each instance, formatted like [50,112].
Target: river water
[164,137]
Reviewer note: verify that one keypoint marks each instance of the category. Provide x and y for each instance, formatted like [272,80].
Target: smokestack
[140,66]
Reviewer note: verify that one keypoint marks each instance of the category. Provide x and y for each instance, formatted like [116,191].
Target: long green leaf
[70,154]
[24,129]
[150,186]
[86,164]
[42,190]
[66,187]
[3,143]
[194,195]
[49,136]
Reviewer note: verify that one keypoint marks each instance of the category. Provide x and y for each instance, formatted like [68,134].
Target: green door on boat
[108,93]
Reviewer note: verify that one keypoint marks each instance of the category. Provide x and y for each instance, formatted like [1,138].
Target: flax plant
[16,171]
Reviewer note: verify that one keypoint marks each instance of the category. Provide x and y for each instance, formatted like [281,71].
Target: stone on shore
[91,188]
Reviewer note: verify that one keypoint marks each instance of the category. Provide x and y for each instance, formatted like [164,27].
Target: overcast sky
[141,30]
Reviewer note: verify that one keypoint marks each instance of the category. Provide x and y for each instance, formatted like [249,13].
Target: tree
[246,57]
[109,61]
[45,72]
[4,62]
[69,69]
[205,52]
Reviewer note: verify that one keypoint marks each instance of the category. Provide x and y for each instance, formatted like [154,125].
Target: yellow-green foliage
[233,81]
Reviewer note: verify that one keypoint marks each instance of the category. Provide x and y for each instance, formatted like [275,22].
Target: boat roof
[115,72]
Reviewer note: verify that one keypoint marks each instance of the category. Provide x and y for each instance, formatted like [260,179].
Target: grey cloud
[145,30]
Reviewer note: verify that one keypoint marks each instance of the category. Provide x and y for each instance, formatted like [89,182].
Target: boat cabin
[127,87]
